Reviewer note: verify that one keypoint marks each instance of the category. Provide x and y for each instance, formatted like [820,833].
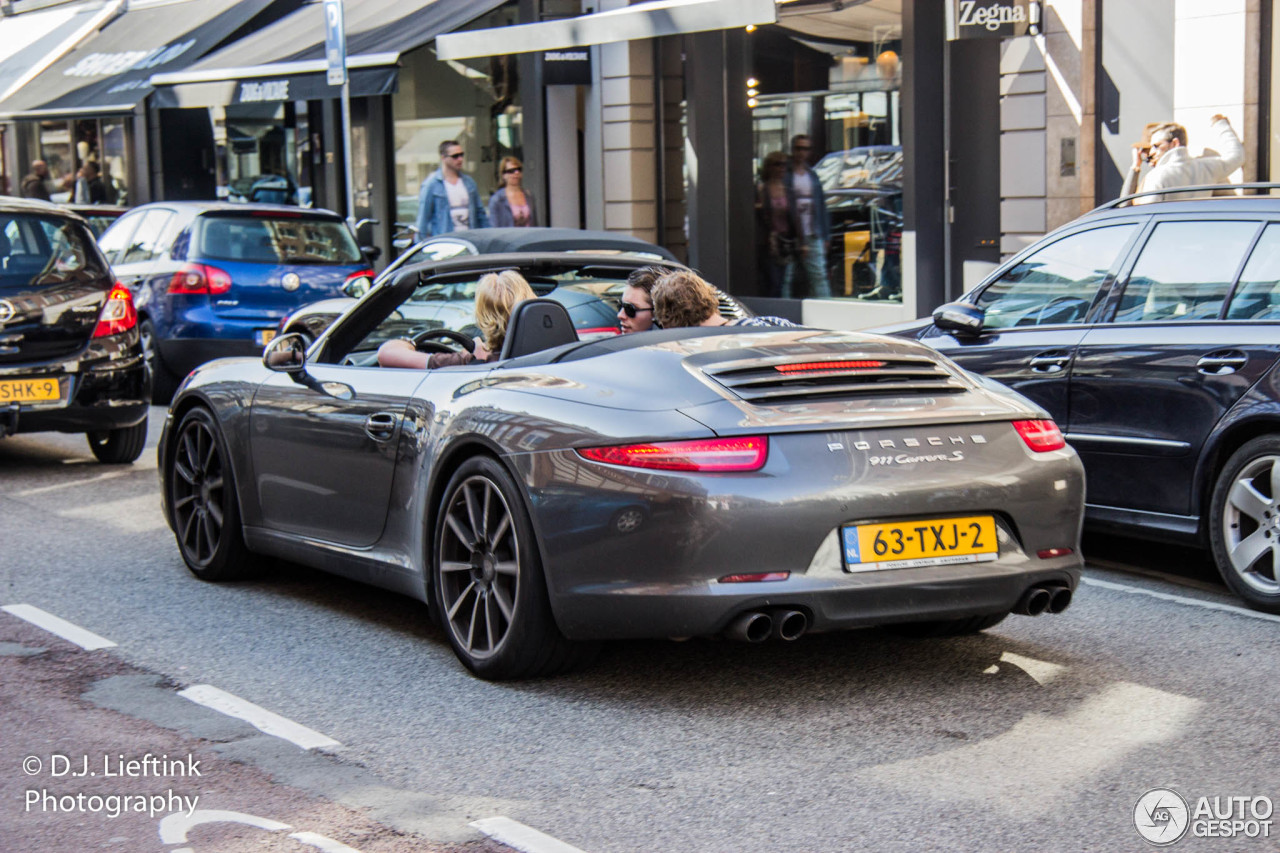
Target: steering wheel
[425,341]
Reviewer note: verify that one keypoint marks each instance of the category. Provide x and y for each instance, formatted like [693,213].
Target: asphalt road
[1039,735]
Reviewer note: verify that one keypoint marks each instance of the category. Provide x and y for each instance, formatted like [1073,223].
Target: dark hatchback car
[214,279]
[70,355]
[1151,333]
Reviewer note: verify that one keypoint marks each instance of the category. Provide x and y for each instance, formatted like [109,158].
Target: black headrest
[535,325]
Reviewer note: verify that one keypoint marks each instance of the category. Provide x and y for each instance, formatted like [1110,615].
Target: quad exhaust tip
[1044,598]
[756,626]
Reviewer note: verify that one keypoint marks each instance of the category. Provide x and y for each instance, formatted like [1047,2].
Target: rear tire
[203,503]
[163,382]
[118,446]
[488,585]
[948,627]
[1244,523]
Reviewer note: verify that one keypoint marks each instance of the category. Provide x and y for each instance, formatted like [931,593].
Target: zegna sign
[970,19]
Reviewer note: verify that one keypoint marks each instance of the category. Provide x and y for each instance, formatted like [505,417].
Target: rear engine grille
[797,380]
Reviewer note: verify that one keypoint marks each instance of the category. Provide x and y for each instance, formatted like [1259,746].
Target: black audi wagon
[70,355]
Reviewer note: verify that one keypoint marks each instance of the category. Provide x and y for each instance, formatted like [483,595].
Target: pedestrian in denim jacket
[448,200]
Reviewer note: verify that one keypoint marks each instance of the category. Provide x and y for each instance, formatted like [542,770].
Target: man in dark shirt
[33,185]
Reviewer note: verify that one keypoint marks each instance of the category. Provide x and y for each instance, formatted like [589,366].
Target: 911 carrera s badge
[950,453]
[290,281]
[7,311]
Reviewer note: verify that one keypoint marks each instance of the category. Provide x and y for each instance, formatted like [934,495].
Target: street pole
[346,152]
[335,51]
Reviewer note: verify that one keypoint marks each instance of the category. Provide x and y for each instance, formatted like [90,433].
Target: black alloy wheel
[488,583]
[1244,523]
[203,503]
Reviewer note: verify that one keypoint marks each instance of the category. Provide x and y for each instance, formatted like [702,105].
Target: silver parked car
[755,482]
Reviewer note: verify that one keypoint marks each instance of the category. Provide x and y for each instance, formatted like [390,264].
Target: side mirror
[371,253]
[286,354]
[960,317]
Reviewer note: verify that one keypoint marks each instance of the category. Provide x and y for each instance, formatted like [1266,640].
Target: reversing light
[118,314]
[199,279]
[1048,553]
[1040,435]
[712,454]
[758,577]
[809,366]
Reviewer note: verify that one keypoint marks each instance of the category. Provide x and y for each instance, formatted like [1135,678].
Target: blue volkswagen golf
[213,279]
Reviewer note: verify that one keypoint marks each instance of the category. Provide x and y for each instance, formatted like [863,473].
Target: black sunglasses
[631,310]
[454,156]
[513,170]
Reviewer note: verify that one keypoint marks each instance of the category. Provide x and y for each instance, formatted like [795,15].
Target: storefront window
[833,78]
[475,102]
[66,145]
[257,153]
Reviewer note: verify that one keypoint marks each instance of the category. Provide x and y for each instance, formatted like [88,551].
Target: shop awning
[286,60]
[32,41]
[640,21]
[108,71]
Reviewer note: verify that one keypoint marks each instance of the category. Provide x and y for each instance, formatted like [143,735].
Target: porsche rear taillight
[117,315]
[712,454]
[194,279]
[1040,435]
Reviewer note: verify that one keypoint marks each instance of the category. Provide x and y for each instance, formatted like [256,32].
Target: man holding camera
[1172,163]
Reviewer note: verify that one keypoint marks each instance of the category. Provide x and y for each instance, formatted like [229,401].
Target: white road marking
[85,639]
[526,839]
[174,827]
[322,842]
[1026,770]
[260,718]
[1042,671]
[68,484]
[1179,599]
[128,515]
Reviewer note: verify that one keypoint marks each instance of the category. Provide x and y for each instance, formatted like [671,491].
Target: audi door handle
[380,426]
[1050,362]
[1221,365]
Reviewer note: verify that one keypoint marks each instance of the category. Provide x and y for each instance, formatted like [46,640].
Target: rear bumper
[183,355]
[626,611]
[96,400]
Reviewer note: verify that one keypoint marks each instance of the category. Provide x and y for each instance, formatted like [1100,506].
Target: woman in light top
[497,295]
[512,205]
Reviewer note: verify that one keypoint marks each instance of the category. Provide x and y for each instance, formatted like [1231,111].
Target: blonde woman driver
[496,295]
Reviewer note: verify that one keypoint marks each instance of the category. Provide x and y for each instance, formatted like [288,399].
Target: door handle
[1221,364]
[1050,362]
[380,426]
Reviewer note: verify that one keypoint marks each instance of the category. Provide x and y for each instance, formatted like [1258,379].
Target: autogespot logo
[1161,816]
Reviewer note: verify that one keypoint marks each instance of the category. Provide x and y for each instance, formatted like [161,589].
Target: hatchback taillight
[710,454]
[1040,435]
[200,278]
[118,315]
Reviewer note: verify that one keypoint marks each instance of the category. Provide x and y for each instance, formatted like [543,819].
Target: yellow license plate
[923,542]
[266,336]
[29,390]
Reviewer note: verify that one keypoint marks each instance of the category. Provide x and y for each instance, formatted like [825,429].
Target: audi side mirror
[961,318]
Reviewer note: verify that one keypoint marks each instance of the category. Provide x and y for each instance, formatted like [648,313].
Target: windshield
[38,251]
[277,240]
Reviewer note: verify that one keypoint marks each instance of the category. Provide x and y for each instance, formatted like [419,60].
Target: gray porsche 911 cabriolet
[754,482]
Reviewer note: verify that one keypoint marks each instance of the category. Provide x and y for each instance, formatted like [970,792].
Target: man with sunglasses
[636,313]
[448,199]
